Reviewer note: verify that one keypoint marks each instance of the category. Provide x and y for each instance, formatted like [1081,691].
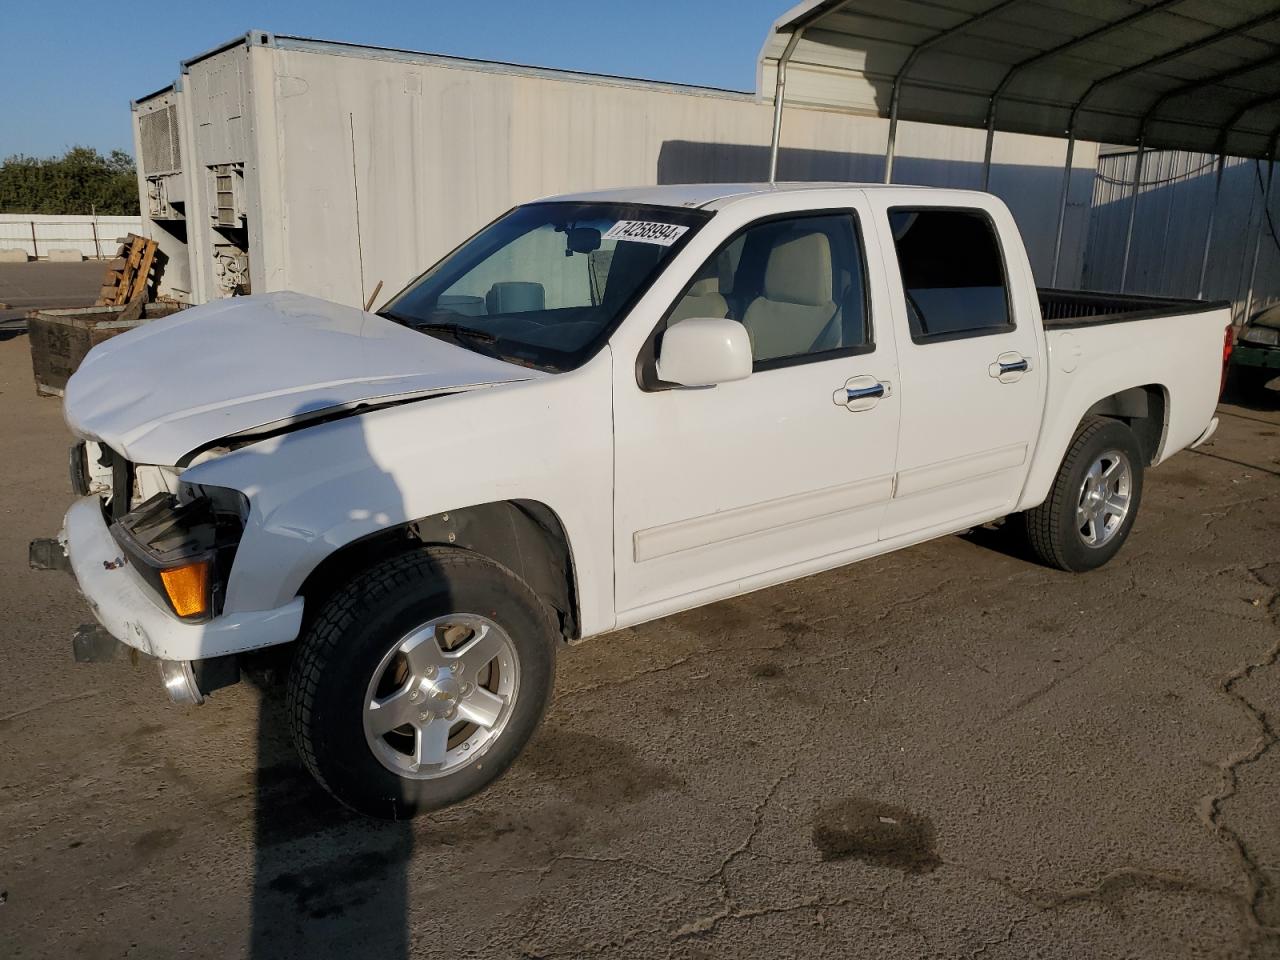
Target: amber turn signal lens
[188,588]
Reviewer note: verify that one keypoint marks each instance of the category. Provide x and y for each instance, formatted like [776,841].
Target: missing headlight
[184,546]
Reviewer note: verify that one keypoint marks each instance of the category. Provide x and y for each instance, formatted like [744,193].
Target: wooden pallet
[128,276]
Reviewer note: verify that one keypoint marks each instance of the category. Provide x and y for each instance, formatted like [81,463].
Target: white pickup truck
[599,410]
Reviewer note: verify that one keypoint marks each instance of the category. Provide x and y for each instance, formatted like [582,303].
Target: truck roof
[719,194]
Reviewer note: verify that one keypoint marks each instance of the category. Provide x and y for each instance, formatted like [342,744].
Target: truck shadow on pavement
[1004,538]
[327,882]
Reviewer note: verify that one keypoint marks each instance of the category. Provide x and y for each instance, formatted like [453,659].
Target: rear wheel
[1093,502]
[420,681]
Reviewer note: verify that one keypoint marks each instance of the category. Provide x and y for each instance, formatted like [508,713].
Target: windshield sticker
[643,231]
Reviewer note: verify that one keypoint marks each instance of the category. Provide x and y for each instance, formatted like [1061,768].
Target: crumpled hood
[160,391]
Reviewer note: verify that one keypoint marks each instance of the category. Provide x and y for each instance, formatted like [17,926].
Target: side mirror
[704,352]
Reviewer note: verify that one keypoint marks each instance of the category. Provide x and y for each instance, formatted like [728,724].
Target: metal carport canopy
[1198,75]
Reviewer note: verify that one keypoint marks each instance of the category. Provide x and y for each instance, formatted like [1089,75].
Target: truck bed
[1064,309]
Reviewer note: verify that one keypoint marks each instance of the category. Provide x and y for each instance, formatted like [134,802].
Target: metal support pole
[891,145]
[1062,206]
[1208,233]
[779,96]
[1133,210]
[991,140]
[35,250]
[934,41]
[893,136]
[1257,238]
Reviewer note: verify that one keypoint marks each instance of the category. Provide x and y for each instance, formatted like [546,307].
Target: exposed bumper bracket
[48,553]
[92,644]
[131,610]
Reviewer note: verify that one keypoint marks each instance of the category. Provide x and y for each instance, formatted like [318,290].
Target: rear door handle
[858,393]
[862,393]
[1009,367]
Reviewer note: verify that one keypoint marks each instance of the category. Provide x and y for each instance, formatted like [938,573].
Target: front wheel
[420,681]
[1093,501]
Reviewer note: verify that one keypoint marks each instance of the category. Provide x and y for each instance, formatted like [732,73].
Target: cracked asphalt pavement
[945,752]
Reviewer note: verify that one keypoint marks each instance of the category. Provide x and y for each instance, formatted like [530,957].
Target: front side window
[952,273]
[797,284]
[548,282]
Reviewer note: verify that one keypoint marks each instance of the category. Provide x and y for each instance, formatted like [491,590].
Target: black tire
[1051,530]
[357,626]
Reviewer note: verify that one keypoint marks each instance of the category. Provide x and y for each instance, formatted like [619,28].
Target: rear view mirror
[704,352]
[582,240]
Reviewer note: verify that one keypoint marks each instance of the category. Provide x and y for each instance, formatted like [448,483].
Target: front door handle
[861,393]
[1009,367]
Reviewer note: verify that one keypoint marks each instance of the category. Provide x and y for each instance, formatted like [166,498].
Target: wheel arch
[1144,408]
[525,536]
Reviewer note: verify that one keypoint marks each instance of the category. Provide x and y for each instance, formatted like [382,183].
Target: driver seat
[795,308]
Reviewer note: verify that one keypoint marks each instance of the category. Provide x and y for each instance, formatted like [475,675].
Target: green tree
[78,182]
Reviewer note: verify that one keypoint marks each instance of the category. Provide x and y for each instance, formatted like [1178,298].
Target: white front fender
[320,488]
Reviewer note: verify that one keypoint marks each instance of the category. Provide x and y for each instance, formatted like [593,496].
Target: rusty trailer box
[60,339]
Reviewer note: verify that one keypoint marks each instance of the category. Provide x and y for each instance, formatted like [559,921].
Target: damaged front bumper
[194,657]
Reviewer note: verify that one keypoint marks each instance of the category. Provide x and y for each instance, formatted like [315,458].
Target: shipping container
[280,162]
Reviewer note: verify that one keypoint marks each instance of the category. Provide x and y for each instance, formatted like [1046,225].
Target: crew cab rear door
[726,488]
[970,348]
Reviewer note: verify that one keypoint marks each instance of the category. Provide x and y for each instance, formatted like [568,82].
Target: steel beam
[910,62]
[1017,68]
[1257,237]
[1175,54]
[1133,210]
[986,154]
[1062,209]
[1208,233]
[779,96]
[1210,81]
[1263,101]
[1217,186]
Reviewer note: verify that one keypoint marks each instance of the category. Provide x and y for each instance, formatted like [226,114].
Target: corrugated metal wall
[1170,222]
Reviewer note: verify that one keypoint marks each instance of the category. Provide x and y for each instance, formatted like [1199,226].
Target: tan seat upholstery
[702,300]
[515,296]
[796,307]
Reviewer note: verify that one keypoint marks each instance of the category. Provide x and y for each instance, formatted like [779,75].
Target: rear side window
[952,273]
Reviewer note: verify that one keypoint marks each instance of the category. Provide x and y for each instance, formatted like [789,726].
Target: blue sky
[71,68]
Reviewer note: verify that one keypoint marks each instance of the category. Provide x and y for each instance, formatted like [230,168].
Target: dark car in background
[1257,356]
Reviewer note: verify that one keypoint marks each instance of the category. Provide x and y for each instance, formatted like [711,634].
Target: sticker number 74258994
[644,231]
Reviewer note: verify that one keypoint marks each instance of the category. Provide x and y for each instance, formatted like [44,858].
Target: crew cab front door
[723,489]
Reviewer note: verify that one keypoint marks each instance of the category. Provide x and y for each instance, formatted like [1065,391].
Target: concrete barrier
[13,255]
[65,256]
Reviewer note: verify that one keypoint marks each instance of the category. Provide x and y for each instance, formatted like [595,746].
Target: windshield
[547,283]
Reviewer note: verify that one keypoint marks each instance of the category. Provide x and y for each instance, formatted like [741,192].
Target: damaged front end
[169,542]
